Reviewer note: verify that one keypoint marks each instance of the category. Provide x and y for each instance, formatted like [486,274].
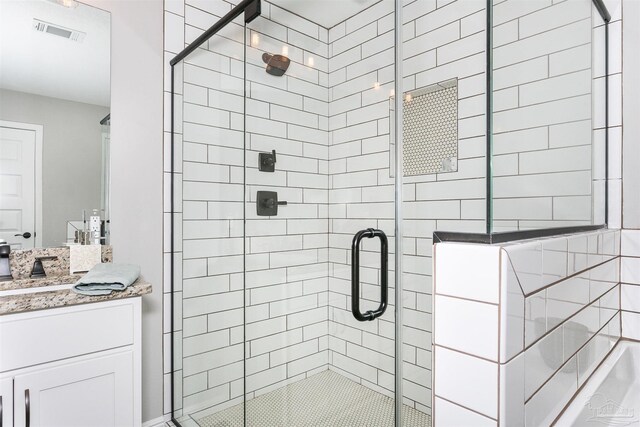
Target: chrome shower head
[277,65]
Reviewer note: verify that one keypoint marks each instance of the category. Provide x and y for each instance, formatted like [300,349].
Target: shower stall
[318,149]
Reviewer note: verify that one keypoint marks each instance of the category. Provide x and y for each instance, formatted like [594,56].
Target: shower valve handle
[267,203]
[267,161]
[271,160]
[270,203]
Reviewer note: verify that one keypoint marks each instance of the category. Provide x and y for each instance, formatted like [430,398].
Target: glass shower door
[320,333]
[208,297]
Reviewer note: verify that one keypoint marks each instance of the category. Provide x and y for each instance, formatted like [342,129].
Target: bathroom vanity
[69,359]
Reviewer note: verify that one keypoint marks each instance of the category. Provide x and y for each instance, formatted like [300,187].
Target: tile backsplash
[21,261]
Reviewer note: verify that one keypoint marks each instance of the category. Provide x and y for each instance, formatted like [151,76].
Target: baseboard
[157,422]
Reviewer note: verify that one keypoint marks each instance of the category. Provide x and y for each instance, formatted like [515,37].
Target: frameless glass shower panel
[549,105]
[444,132]
[286,210]
[604,128]
[444,164]
[362,195]
[311,155]
[209,223]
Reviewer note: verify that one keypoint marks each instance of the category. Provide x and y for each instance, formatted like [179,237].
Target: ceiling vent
[57,30]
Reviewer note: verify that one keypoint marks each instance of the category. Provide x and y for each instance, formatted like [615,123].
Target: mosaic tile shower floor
[326,399]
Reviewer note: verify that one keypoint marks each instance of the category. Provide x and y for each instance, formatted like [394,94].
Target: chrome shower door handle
[355,274]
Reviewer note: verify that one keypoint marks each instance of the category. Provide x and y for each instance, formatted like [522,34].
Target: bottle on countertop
[95,227]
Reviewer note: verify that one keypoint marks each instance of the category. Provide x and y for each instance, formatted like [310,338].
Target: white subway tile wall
[548,116]
[553,332]
[630,288]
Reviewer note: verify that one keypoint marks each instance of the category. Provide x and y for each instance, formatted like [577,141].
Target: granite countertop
[62,298]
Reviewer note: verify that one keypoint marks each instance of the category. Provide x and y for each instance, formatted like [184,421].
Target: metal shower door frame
[398,181]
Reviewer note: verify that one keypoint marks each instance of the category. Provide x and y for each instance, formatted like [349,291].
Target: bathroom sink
[30,290]
[45,284]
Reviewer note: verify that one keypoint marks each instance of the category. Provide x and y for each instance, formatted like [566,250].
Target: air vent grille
[57,30]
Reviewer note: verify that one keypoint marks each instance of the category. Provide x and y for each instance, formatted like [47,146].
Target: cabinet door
[6,402]
[93,392]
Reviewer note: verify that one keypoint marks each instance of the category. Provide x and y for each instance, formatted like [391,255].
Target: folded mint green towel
[106,278]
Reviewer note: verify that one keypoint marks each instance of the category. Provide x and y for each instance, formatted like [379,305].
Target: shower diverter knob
[267,203]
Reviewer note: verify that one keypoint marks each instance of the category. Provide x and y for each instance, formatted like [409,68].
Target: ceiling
[49,65]
[326,13]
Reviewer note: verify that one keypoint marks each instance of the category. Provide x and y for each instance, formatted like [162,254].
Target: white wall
[136,167]
[71,156]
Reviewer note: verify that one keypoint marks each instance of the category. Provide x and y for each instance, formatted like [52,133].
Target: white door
[95,392]
[19,195]
[6,402]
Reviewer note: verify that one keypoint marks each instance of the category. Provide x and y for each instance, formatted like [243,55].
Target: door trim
[38,130]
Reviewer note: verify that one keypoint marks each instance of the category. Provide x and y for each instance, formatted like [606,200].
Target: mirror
[54,120]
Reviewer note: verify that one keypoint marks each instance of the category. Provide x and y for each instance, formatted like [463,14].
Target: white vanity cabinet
[94,392]
[6,402]
[72,366]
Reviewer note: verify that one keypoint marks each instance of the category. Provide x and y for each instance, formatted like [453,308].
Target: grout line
[574,354]
[495,362]
[615,257]
[549,332]
[555,421]
[464,407]
[467,299]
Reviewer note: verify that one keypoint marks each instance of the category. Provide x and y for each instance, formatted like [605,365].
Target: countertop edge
[29,302]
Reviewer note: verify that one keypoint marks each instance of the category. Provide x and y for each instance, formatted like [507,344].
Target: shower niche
[429,130]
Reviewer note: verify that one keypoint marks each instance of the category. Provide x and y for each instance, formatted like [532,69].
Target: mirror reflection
[54,121]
